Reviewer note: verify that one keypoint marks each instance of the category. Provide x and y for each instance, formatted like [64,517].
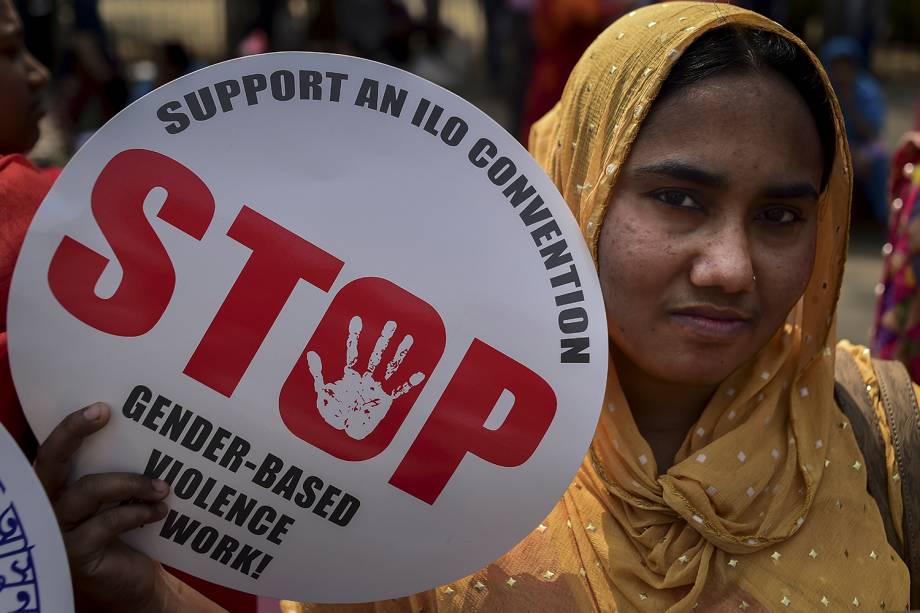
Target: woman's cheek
[634,259]
[786,281]
[630,290]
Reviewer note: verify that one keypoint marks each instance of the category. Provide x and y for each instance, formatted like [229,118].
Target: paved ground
[856,309]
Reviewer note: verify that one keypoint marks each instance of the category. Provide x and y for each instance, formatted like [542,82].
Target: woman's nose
[36,73]
[724,261]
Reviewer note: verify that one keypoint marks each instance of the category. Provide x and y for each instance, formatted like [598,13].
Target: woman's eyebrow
[801,189]
[684,172]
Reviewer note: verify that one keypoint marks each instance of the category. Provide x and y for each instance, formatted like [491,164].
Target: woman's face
[22,79]
[709,239]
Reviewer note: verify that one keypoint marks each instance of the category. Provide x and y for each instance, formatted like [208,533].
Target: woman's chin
[695,371]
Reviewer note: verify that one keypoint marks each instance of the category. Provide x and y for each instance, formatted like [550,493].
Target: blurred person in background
[23,186]
[91,88]
[432,26]
[375,29]
[322,29]
[172,62]
[860,20]
[259,38]
[896,333]
[562,30]
[509,53]
[863,106]
[385,31]
[379,30]
[496,14]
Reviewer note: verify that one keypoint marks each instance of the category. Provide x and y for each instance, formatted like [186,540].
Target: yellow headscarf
[766,506]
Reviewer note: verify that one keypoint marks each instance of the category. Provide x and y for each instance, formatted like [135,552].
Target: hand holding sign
[357,402]
[105,571]
[107,574]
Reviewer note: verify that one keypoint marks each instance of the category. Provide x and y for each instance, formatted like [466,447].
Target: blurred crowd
[512,58]
[514,64]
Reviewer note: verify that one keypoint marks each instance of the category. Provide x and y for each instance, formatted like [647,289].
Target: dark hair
[733,49]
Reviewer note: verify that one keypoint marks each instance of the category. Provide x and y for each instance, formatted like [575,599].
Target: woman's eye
[781,215]
[676,199]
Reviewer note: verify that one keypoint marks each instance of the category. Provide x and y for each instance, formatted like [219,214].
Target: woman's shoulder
[866,366]
[880,417]
[859,352]
[23,186]
[22,166]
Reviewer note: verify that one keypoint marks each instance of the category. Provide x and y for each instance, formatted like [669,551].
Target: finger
[87,540]
[351,345]
[52,463]
[388,329]
[397,360]
[85,497]
[315,364]
[405,387]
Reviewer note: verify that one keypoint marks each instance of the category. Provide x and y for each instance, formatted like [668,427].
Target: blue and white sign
[34,576]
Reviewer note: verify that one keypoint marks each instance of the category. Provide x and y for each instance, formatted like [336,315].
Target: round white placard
[34,575]
[338,308]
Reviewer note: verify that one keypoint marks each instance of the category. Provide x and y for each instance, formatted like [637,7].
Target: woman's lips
[718,328]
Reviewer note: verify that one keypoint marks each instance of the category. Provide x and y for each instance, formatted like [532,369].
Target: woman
[22,185]
[722,472]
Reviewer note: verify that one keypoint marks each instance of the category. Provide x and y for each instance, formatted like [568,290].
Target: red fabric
[562,30]
[22,188]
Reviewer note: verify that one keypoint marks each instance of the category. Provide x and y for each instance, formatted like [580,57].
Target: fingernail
[160,486]
[162,508]
[92,412]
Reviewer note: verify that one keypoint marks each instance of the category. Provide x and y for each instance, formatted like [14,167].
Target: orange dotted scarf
[766,506]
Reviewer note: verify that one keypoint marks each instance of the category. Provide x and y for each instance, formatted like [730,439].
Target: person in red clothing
[102,567]
[22,185]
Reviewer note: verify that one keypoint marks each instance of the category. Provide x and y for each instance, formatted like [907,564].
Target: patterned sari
[896,334]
